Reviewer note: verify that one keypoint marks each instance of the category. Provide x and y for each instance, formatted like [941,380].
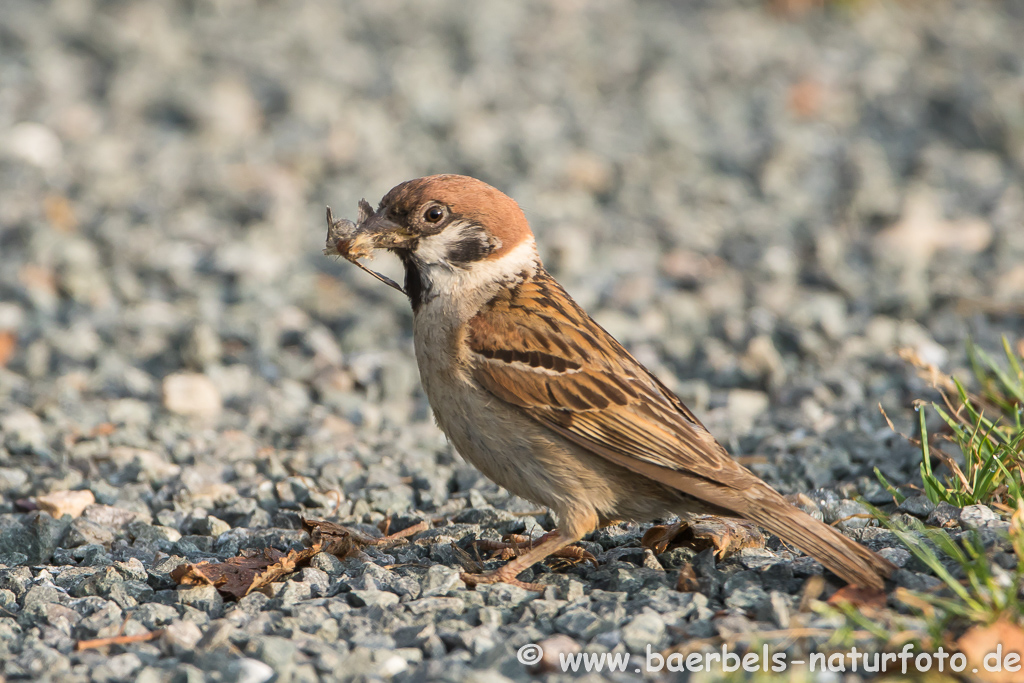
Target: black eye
[433,214]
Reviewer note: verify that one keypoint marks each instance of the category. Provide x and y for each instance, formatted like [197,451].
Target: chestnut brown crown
[426,206]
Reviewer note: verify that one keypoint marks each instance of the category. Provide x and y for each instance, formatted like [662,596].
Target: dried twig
[118,640]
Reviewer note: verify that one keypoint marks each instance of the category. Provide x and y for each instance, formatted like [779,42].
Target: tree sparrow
[545,402]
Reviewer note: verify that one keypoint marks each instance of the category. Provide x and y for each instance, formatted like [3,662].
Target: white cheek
[434,250]
[448,283]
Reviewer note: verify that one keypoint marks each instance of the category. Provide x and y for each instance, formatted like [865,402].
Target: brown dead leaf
[858,597]
[239,576]
[337,539]
[659,537]
[687,582]
[988,646]
[804,98]
[8,343]
[726,535]
[60,213]
[813,588]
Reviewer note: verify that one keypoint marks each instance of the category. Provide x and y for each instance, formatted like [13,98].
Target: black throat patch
[416,287]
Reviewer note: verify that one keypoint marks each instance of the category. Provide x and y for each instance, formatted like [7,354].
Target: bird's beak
[378,232]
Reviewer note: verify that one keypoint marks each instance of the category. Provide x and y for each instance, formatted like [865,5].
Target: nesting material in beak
[354,241]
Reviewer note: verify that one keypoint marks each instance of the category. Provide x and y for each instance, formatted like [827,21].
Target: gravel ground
[762,207]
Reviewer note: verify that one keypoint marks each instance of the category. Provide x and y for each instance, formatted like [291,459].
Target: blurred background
[763,200]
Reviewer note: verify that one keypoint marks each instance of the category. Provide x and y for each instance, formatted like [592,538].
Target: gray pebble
[919,506]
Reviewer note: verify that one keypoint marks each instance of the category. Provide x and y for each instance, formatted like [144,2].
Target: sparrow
[545,402]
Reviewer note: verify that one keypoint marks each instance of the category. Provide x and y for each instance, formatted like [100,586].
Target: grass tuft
[988,428]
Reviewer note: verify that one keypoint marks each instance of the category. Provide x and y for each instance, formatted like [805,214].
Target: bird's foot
[547,545]
[513,545]
[500,576]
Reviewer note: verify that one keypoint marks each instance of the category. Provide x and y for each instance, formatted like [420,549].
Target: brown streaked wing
[595,393]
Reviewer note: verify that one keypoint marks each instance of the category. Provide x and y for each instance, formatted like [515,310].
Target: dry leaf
[687,582]
[804,98]
[60,213]
[859,597]
[724,534]
[987,646]
[239,576]
[659,537]
[337,539]
[8,343]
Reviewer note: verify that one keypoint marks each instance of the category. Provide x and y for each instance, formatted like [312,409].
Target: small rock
[977,517]
[218,635]
[203,598]
[60,503]
[182,636]
[330,564]
[743,591]
[744,406]
[552,648]
[318,580]
[84,532]
[23,432]
[191,394]
[850,514]
[582,623]
[647,628]
[154,615]
[372,598]
[246,670]
[276,652]
[35,143]
[440,579]
[209,526]
[414,636]
[898,556]
[945,515]
[780,608]
[109,516]
[505,595]
[919,506]
[120,667]
[150,532]
[12,479]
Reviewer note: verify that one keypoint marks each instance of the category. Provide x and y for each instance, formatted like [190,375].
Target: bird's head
[447,229]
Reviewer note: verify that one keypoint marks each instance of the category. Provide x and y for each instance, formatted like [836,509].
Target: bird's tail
[846,558]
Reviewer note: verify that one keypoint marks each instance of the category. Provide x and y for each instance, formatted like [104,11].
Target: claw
[498,576]
[513,545]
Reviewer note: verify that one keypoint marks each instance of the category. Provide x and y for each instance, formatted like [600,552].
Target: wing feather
[535,348]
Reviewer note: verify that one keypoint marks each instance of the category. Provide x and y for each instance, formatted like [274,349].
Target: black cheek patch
[472,245]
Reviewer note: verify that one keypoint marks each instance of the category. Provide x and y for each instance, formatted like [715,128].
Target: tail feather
[843,556]
[737,490]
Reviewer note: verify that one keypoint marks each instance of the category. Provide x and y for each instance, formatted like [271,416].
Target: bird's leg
[512,545]
[549,544]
